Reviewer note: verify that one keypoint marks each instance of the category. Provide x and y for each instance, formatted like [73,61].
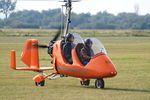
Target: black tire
[99,83]
[86,83]
[40,84]
[81,82]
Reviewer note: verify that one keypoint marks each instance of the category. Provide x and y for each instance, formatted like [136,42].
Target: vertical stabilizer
[30,55]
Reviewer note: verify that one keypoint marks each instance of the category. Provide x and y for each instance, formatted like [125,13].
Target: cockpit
[97,47]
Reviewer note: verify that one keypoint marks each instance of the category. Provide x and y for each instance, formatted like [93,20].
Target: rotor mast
[68,16]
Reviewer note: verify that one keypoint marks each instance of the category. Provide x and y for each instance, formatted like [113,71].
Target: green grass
[131,55]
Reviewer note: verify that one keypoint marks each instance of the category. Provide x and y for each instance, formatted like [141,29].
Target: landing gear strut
[99,83]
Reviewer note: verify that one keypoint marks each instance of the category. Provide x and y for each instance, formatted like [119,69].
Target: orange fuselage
[100,66]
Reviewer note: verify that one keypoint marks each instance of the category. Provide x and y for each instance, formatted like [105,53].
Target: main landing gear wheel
[40,84]
[99,83]
[86,83]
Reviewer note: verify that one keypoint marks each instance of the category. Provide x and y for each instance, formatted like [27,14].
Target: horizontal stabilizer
[29,56]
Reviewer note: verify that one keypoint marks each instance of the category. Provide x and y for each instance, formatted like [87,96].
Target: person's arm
[92,53]
[67,49]
[84,55]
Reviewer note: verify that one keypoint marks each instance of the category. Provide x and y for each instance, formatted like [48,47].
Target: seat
[78,48]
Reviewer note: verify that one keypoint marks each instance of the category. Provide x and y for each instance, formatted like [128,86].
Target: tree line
[51,19]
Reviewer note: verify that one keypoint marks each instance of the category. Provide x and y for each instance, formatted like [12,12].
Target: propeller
[42,46]
[54,39]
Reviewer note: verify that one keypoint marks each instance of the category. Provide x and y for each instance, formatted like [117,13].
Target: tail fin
[29,56]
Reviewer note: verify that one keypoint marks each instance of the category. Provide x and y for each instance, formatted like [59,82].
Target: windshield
[77,38]
[98,46]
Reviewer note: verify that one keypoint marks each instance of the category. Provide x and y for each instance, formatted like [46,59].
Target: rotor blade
[53,0]
[37,0]
[70,0]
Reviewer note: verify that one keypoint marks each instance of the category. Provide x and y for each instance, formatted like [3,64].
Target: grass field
[131,55]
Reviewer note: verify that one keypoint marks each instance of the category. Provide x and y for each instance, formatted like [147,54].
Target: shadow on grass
[122,89]
[126,89]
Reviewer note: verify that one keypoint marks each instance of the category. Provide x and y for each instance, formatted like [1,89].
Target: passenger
[87,52]
[67,48]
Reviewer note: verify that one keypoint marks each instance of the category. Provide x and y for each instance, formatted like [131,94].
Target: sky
[92,6]
[85,6]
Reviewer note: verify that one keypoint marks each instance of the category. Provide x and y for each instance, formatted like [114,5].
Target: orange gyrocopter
[99,67]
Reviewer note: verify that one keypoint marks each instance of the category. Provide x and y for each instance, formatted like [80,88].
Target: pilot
[67,48]
[86,52]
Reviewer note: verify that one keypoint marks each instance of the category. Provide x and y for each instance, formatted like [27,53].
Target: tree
[7,6]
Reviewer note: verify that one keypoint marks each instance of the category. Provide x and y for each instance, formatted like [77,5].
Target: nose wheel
[99,83]
[40,84]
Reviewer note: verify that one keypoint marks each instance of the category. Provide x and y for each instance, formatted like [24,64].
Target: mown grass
[85,33]
[131,55]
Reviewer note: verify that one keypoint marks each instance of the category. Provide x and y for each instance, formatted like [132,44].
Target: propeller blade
[57,35]
[42,46]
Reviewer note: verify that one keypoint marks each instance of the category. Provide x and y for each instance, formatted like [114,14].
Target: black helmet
[88,41]
[69,36]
